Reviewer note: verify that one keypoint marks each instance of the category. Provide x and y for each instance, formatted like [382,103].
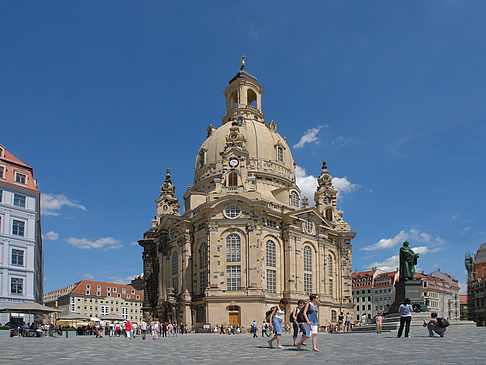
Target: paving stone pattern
[458,346]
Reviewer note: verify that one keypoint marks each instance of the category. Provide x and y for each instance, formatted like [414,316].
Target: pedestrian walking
[254,327]
[293,319]
[264,329]
[311,324]
[277,321]
[128,329]
[347,322]
[143,329]
[405,310]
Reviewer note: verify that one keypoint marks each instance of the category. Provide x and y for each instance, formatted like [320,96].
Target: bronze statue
[408,260]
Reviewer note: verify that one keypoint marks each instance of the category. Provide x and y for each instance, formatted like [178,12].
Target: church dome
[267,150]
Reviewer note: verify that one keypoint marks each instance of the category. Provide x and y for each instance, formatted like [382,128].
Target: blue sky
[101,97]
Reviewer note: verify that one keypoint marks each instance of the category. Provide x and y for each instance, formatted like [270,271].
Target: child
[379,322]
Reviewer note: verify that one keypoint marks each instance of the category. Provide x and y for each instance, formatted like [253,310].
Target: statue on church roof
[242,68]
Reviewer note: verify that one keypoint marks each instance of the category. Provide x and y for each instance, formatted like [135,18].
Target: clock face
[234,162]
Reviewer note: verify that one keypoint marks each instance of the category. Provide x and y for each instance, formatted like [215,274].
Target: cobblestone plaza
[459,346]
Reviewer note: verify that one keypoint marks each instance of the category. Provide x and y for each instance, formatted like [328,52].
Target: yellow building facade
[246,237]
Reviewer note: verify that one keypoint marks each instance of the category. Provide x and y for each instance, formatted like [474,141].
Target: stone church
[246,237]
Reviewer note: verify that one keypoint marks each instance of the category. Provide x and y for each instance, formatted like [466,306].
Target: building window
[307,258]
[280,155]
[17,257]
[331,288]
[203,256]
[72,301]
[294,199]
[307,283]
[88,286]
[1,195]
[233,277]
[309,226]
[124,312]
[18,228]
[331,265]
[232,211]
[104,310]
[271,254]
[232,179]
[233,248]
[333,316]
[128,296]
[203,281]
[16,286]
[20,178]
[19,200]
[271,281]
[138,297]
[1,171]
[175,266]
[328,214]
[124,290]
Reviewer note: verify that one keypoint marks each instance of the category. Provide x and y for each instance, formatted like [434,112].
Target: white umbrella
[94,319]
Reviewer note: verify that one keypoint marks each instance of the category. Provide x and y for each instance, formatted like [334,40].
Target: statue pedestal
[407,289]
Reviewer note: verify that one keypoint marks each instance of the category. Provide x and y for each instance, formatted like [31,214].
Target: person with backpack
[276,320]
[264,329]
[311,324]
[405,310]
[293,319]
[437,325]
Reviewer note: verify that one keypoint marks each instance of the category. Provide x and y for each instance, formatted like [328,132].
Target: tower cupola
[243,96]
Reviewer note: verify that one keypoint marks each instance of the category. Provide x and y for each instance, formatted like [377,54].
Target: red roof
[115,289]
[463,299]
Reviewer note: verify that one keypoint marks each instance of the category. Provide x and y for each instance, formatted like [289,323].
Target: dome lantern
[243,96]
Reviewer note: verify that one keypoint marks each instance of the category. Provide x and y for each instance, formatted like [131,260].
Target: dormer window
[280,156]
[294,199]
[20,178]
[232,179]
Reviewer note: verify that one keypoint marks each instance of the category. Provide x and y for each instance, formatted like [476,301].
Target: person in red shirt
[128,329]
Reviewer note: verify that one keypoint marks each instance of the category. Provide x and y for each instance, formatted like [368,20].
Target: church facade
[246,237]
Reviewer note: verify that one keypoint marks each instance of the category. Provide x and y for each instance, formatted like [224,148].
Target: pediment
[312,214]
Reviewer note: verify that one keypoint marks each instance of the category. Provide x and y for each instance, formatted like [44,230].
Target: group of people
[304,319]
[433,325]
[164,329]
[229,330]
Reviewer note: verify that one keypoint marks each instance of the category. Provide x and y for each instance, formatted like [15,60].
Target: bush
[70,329]
[5,327]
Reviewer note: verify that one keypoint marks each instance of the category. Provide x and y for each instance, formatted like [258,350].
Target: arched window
[294,199]
[330,263]
[333,316]
[233,248]
[307,258]
[234,99]
[251,97]
[331,287]
[232,179]
[280,156]
[175,266]
[271,254]
[308,268]
[175,272]
[203,256]
[329,214]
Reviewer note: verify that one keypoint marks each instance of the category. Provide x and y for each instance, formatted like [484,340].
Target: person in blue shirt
[311,325]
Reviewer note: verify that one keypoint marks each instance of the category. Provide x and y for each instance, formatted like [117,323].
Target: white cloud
[120,280]
[89,276]
[106,243]
[135,243]
[343,185]
[308,184]
[389,264]
[309,136]
[341,141]
[463,288]
[51,235]
[387,242]
[51,204]
[453,218]
[426,240]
